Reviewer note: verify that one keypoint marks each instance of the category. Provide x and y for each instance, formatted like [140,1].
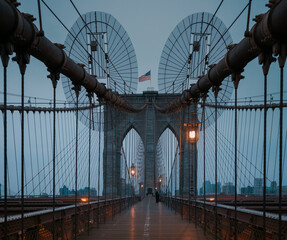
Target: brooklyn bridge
[95,146]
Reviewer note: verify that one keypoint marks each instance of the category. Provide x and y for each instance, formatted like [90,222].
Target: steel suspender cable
[104,163]
[22,59]
[204,164]
[54,162]
[194,172]
[235,166]
[281,60]
[264,156]
[180,156]
[125,167]
[22,155]
[176,166]
[54,77]
[281,151]
[5,152]
[99,161]
[112,142]
[89,159]
[5,60]
[190,161]
[215,159]
[120,165]
[236,79]
[77,89]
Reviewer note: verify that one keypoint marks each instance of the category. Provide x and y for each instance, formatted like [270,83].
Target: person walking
[156,196]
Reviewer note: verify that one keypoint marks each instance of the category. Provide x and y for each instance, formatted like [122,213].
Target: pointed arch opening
[167,167]
[132,158]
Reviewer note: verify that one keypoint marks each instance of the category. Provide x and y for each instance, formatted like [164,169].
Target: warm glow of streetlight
[192,134]
[83,200]
[133,170]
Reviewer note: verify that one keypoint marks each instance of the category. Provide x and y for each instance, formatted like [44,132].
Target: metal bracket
[90,96]
[266,59]
[236,77]
[282,55]
[77,89]
[216,89]
[54,76]
[6,49]
[22,58]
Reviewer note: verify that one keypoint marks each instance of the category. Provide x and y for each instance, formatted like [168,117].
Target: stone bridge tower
[149,124]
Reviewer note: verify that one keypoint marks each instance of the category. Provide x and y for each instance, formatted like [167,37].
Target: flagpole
[150,80]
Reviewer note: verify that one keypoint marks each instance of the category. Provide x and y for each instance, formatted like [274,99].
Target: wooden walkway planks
[146,220]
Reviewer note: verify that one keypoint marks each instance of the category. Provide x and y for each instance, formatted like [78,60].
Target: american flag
[145,77]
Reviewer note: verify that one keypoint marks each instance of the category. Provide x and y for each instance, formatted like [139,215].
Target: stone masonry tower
[149,124]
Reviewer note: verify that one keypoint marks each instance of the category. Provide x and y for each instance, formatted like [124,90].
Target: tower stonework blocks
[149,124]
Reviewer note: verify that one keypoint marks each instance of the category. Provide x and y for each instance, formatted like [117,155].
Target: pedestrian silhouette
[156,196]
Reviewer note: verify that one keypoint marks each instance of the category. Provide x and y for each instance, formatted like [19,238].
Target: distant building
[210,188]
[64,191]
[273,188]
[258,186]
[85,191]
[228,188]
[247,190]
[218,187]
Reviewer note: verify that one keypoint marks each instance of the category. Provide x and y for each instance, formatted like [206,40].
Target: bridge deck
[146,220]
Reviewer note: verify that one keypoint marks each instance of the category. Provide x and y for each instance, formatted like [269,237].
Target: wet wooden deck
[146,220]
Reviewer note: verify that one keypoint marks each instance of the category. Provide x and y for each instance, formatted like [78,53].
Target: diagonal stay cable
[217,9]
[76,9]
[226,31]
[61,22]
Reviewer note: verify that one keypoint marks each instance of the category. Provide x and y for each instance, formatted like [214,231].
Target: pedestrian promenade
[146,220]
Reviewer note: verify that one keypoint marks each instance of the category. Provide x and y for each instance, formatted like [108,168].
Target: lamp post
[133,173]
[159,182]
[192,137]
[141,190]
[192,133]
[133,170]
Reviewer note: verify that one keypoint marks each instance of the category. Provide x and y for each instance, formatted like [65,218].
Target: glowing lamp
[191,128]
[160,179]
[133,170]
[84,200]
[191,134]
